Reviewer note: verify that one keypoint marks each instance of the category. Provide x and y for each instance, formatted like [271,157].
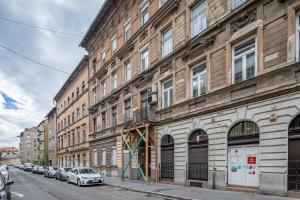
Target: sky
[27,89]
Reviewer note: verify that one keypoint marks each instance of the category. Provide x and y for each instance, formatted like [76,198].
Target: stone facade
[206,81]
[72,119]
[29,145]
[52,137]
[43,156]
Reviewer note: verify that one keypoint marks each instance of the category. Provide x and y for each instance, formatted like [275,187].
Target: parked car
[50,172]
[35,169]
[84,176]
[61,173]
[5,188]
[4,172]
[28,167]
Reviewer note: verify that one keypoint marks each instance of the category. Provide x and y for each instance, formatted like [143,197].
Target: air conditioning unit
[152,89]
[152,98]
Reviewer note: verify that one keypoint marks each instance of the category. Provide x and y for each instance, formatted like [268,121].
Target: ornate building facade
[202,93]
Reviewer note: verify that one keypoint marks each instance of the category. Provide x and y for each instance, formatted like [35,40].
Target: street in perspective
[150,100]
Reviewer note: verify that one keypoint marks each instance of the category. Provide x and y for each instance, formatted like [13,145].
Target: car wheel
[68,181]
[78,183]
[60,178]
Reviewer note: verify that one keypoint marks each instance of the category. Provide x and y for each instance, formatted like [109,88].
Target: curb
[153,193]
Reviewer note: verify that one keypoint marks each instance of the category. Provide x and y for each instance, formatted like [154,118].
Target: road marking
[17,194]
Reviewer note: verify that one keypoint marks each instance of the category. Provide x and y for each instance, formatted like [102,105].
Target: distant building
[52,137]
[43,143]
[29,145]
[9,156]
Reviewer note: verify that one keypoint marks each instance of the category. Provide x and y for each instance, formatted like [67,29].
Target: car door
[71,174]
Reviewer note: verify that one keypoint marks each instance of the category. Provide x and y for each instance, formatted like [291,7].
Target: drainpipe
[214,148]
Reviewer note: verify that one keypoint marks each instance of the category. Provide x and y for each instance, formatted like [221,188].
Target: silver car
[50,172]
[84,176]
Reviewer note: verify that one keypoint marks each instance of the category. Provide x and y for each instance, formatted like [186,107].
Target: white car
[84,176]
[4,172]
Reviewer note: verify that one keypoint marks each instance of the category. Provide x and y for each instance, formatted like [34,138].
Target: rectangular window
[198,74]
[114,156]
[167,94]
[167,42]
[103,56]
[144,53]
[198,18]
[84,135]
[114,112]
[237,3]
[83,110]
[94,69]
[144,12]
[78,114]
[103,157]
[95,125]
[73,117]
[127,71]
[114,45]
[103,116]
[94,96]
[78,137]
[298,37]
[127,30]
[162,2]
[114,81]
[127,105]
[244,61]
[103,88]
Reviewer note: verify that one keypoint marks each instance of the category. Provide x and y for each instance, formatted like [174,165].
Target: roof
[96,22]
[73,75]
[52,111]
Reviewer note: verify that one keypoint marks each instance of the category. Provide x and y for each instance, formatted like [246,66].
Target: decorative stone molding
[169,7]
[243,20]
[124,52]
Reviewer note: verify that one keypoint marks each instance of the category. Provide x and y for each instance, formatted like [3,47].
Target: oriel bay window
[198,74]
[144,54]
[198,18]
[167,94]
[244,61]
[167,42]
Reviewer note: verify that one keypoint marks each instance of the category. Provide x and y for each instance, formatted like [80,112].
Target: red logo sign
[251,159]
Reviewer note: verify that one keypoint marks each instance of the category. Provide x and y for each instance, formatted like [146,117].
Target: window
[65,122]
[83,86]
[114,80]
[114,115]
[73,117]
[244,61]
[94,96]
[94,67]
[167,42]
[103,56]
[58,126]
[103,88]
[103,157]
[65,104]
[198,74]
[83,110]
[84,135]
[127,30]
[167,94]
[95,157]
[237,3]
[298,37]
[127,71]
[72,96]
[114,156]
[103,116]
[198,18]
[68,100]
[78,114]
[78,137]
[127,105]
[95,125]
[144,12]
[73,138]
[144,58]
[114,45]
[162,2]
[77,91]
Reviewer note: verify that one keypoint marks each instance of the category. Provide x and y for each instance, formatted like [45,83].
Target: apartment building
[202,93]
[9,156]
[43,156]
[29,145]
[72,118]
[51,116]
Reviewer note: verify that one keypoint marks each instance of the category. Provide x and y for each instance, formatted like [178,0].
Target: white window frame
[144,7]
[234,6]
[244,70]
[297,37]
[114,81]
[169,96]
[127,70]
[114,156]
[127,28]
[103,88]
[103,56]
[94,96]
[199,80]
[130,111]
[162,2]
[199,17]
[103,157]
[167,42]
[114,45]
[144,54]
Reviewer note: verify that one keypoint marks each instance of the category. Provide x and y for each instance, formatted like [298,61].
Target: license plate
[95,181]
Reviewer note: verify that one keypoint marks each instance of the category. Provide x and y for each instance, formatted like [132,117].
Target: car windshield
[52,168]
[41,167]
[3,169]
[65,169]
[87,171]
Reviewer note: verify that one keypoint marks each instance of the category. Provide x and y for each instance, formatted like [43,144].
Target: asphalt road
[28,186]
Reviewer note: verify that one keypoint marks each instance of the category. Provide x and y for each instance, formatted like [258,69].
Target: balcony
[140,116]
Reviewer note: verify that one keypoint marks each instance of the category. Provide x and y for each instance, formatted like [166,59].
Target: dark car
[5,188]
[61,173]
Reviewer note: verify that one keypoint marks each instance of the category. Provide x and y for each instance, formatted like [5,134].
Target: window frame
[114,115]
[94,96]
[128,71]
[127,28]
[198,17]
[144,7]
[165,41]
[143,51]
[199,80]
[170,92]
[233,6]
[114,45]
[114,159]
[162,2]
[103,56]
[244,69]
[114,80]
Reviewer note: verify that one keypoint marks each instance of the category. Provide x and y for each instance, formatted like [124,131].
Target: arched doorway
[294,155]
[167,158]
[198,156]
[243,152]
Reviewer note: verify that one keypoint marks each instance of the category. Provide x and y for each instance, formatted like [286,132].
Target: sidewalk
[186,193]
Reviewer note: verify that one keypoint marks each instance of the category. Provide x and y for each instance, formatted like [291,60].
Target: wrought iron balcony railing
[140,116]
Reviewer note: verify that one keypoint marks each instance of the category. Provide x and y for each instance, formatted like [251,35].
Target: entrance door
[167,158]
[243,165]
[126,160]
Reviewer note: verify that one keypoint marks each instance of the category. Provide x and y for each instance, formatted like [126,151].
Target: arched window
[198,137]
[294,126]
[244,132]
[167,140]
